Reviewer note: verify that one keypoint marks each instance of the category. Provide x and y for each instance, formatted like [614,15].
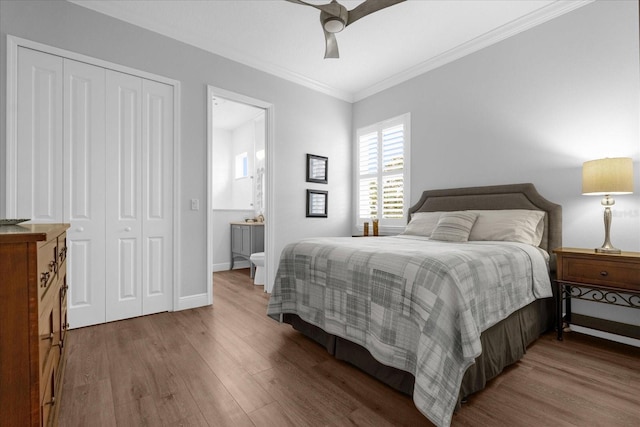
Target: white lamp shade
[607,176]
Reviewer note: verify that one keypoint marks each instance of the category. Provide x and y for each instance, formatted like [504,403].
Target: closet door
[157,191]
[39,140]
[94,148]
[84,195]
[123,196]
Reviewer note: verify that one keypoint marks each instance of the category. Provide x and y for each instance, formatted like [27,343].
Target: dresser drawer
[47,266]
[48,394]
[64,323]
[621,274]
[62,248]
[48,335]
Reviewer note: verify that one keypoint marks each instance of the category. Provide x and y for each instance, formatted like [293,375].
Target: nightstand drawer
[620,274]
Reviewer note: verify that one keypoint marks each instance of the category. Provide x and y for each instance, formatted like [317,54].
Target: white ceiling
[376,52]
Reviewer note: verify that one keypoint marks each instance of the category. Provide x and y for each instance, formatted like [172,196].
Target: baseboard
[225,266]
[192,301]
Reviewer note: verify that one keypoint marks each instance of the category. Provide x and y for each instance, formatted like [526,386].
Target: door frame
[269,161]
[13,43]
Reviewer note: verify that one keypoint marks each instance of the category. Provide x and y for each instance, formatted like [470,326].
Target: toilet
[258,260]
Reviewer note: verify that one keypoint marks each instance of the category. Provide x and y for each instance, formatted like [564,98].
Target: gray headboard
[511,196]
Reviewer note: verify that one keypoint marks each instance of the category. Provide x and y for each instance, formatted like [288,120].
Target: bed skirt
[502,345]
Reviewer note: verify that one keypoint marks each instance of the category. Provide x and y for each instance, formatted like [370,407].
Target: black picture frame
[317,169]
[317,203]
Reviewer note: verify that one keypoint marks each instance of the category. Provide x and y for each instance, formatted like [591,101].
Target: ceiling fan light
[333,25]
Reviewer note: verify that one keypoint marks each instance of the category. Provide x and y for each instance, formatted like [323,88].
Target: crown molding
[277,71]
[503,32]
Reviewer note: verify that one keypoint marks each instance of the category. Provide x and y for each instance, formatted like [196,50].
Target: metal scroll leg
[559,292]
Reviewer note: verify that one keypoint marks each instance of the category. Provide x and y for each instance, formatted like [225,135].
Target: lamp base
[607,247]
[608,251]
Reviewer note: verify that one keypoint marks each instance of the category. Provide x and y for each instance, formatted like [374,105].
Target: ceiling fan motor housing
[335,22]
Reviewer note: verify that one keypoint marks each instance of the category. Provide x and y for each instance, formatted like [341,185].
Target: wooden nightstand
[606,278]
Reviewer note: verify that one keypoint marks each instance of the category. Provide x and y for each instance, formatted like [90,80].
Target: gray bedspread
[415,304]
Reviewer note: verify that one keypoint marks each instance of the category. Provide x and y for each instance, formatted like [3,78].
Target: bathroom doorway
[239,135]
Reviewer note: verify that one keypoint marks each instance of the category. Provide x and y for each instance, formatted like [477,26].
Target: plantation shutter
[393,172]
[382,173]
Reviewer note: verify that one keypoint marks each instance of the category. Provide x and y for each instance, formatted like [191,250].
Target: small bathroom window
[242,165]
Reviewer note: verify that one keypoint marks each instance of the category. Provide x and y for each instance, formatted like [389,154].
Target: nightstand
[605,278]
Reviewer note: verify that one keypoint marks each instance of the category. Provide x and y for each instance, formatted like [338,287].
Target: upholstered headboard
[511,196]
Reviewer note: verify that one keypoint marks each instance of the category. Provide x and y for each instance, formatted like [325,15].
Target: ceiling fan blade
[331,50]
[368,7]
[332,8]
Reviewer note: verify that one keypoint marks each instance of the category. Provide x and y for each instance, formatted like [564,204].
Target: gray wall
[533,108]
[305,121]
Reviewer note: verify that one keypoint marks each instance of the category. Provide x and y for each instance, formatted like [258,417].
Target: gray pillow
[422,223]
[454,226]
[511,225]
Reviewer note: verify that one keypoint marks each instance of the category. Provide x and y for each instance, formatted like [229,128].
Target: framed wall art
[317,203]
[317,169]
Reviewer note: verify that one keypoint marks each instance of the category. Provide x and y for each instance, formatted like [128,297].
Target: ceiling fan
[334,18]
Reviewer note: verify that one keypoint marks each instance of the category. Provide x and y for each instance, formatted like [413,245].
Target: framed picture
[317,201]
[317,169]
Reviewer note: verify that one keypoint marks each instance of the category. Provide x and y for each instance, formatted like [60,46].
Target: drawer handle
[44,278]
[604,273]
[48,337]
[53,266]
[52,402]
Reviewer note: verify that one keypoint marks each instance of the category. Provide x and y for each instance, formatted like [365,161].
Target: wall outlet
[195,204]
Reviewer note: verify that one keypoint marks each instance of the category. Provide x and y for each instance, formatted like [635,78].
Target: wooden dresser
[33,322]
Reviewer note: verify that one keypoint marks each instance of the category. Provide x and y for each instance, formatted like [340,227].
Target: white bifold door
[95,149]
[84,195]
[139,207]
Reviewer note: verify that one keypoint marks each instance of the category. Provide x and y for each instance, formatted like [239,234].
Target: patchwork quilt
[415,304]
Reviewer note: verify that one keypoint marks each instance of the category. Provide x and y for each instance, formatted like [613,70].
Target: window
[382,171]
[242,165]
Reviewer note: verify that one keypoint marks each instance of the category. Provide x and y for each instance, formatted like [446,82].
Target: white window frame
[386,226]
[242,165]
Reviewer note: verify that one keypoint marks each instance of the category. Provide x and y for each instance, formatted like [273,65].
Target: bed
[432,317]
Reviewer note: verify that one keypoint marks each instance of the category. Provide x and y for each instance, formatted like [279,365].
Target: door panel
[123,196]
[128,268]
[39,145]
[84,195]
[157,169]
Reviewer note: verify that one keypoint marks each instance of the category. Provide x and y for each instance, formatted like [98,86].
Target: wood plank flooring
[231,365]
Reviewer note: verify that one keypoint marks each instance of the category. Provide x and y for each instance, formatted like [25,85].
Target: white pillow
[422,223]
[454,226]
[511,225]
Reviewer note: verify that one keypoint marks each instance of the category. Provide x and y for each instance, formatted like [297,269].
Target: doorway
[239,155]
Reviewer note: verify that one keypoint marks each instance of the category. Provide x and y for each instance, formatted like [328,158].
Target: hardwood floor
[231,365]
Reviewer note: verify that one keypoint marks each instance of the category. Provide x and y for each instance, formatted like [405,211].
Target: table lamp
[606,177]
